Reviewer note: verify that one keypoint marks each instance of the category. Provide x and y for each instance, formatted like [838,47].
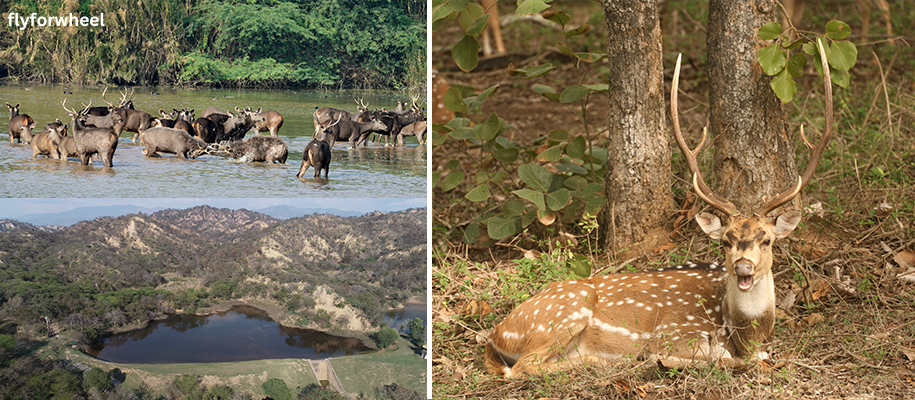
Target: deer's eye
[726,243]
[766,242]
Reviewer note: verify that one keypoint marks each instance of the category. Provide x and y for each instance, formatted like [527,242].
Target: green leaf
[559,135]
[464,53]
[559,17]
[435,176]
[576,147]
[581,30]
[557,200]
[505,155]
[462,133]
[597,87]
[451,180]
[570,167]
[458,4]
[546,91]
[441,11]
[784,87]
[535,70]
[535,176]
[837,30]
[475,27]
[471,233]
[770,31]
[573,93]
[576,183]
[454,100]
[590,56]
[488,129]
[499,228]
[810,48]
[452,164]
[796,65]
[513,208]
[532,196]
[531,7]
[772,59]
[594,203]
[479,193]
[840,77]
[481,177]
[842,55]
[551,154]
[580,265]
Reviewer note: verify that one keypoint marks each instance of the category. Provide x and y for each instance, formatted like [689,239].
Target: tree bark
[754,155]
[637,181]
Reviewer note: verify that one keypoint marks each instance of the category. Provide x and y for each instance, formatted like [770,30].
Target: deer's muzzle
[743,268]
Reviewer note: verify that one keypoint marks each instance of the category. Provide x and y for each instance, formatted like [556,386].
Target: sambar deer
[697,311]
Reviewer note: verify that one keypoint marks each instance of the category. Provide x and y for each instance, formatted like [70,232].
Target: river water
[372,171]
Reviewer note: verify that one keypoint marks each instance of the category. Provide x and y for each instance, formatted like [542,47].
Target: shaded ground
[846,309]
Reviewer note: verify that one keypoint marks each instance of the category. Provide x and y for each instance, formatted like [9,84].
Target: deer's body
[688,312]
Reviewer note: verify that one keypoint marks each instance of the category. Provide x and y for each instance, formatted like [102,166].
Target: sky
[14,208]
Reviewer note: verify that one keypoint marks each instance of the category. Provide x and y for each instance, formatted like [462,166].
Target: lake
[243,333]
[372,171]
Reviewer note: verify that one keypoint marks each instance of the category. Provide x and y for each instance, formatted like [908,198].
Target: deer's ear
[710,224]
[786,223]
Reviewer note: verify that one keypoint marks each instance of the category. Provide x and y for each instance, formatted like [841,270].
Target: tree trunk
[754,156]
[637,182]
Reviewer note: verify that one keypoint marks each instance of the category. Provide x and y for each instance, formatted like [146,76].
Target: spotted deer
[696,311]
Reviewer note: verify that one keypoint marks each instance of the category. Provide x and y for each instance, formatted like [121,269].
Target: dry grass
[846,321]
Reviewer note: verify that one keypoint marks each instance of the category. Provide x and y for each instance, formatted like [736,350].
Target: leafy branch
[777,61]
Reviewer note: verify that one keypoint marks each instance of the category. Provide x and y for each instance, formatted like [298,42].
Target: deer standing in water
[697,311]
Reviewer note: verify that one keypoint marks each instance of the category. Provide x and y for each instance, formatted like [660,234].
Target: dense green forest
[328,44]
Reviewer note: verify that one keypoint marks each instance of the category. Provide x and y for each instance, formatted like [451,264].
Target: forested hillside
[112,273]
[272,43]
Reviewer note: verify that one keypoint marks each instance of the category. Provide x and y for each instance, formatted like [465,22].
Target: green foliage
[313,391]
[276,389]
[228,43]
[417,332]
[385,337]
[778,62]
[560,176]
[97,378]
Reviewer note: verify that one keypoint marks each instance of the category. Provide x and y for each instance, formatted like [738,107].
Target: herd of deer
[96,131]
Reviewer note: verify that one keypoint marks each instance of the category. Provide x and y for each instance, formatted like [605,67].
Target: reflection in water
[240,334]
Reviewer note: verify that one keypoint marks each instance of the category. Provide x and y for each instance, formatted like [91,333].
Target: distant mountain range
[67,218]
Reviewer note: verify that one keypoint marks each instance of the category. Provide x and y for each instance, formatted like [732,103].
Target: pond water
[401,316]
[241,334]
[372,171]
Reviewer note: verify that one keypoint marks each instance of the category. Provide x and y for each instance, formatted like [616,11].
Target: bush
[276,389]
[385,337]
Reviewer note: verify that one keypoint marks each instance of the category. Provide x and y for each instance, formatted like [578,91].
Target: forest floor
[845,279]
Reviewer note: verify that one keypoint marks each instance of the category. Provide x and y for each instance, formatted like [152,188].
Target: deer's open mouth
[745,282]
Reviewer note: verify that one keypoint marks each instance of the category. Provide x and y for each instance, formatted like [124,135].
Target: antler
[72,112]
[701,188]
[815,153]
[361,103]
[103,97]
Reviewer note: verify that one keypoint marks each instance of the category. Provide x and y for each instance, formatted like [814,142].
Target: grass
[850,333]
[362,374]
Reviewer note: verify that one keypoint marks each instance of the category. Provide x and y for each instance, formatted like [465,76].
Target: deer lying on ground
[697,311]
